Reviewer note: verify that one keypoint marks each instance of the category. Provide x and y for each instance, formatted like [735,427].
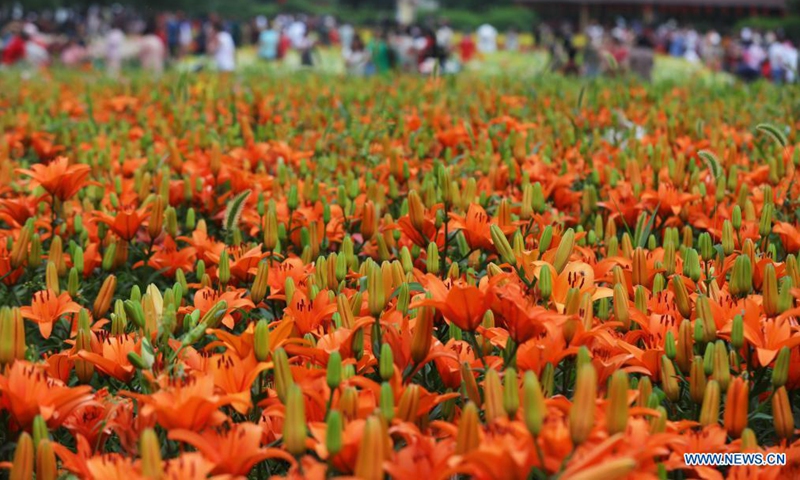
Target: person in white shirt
[487,38]
[775,56]
[115,42]
[223,48]
[790,61]
[444,36]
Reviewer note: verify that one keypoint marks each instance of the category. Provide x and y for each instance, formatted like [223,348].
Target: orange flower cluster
[396,278]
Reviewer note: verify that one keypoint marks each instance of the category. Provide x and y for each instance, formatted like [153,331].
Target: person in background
[284,44]
[444,36]
[466,48]
[346,35]
[151,50]
[512,40]
[307,48]
[115,42]
[74,53]
[268,43]
[487,38]
[642,57]
[356,58]
[789,58]
[775,55]
[14,50]
[223,49]
[379,53]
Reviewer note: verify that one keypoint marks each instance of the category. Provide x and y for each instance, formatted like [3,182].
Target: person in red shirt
[466,47]
[14,50]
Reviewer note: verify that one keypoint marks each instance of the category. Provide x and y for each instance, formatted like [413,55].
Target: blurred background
[722,39]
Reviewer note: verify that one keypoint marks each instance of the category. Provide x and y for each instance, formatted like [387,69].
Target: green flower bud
[386,362]
[386,401]
[261,340]
[780,372]
[545,283]
[334,372]
[333,432]
[741,282]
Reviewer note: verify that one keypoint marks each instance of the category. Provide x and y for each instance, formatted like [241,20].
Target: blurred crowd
[115,36]
[748,54]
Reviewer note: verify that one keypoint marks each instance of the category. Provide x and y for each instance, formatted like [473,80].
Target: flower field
[311,276]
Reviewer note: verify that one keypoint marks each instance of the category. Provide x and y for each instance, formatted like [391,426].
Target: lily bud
[422,336]
[685,346]
[416,210]
[22,466]
[782,417]
[259,289]
[432,261]
[12,335]
[283,375]
[669,346]
[469,384]
[704,314]
[386,401]
[727,238]
[46,467]
[681,297]
[545,283]
[749,442]
[697,380]
[709,412]
[741,277]
[780,372]
[511,393]
[639,269]
[19,251]
[261,341]
[691,265]
[564,250]
[736,407]
[51,278]
[271,229]
[617,405]
[369,220]
[468,436]
[109,256]
[386,363]
[722,368]
[581,413]
[706,246]
[658,424]
[537,198]
[765,222]
[35,253]
[534,403]
[785,298]
[294,425]
[669,380]
[104,297]
[545,239]
[333,433]
[769,291]
[737,332]
[83,342]
[620,307]
[492,396]
[645,390]
[150,451]
[156,218]
[502,246]
[376,292]
[371,454]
